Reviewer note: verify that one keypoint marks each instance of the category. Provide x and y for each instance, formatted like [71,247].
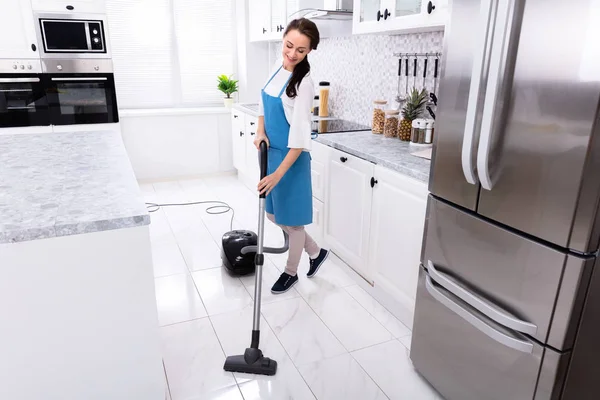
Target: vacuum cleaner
[239,252]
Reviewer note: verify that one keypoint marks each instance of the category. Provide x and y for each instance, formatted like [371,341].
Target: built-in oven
[80,92]
[22,95]
[72,36]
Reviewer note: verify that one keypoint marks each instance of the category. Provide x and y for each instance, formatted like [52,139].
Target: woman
[285,124]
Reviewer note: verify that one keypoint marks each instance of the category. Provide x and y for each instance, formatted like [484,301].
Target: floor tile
[160,230]
[406,341]
[303,335]
[220,292]
[167,259]
[347,319]
[340,377]
[228,393]
[391,369]
[270,276]
[194,360]
[391,323]
[199,249]
[234,333]
[178,300]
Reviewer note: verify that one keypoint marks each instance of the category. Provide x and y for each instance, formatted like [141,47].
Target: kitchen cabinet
[348,210]
[315,230]
[399,16]
[238,139]
[17,30]
[70,6]
[397,224]
[268,19]
[252,160]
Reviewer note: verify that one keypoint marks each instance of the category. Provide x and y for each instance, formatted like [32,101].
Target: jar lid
[416,123]
[380,101]
[316,98]
[392,112]
[324,83]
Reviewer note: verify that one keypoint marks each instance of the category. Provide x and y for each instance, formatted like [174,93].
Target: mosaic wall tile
[362,68]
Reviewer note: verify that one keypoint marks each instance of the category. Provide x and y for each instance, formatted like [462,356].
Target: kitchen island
[79,317]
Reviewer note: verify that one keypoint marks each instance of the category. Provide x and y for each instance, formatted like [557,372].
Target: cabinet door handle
[281,28]
[264,30]
[33,47]
[373,181]
[343,159]
[70,8]
[430,7]
[252,123]
[235,116]
[252,133]
[378,15]
[241,133]
[386,14]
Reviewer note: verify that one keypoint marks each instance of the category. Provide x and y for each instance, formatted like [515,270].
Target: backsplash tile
[362,68]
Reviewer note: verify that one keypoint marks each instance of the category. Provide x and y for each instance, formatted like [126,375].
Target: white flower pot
[228,102]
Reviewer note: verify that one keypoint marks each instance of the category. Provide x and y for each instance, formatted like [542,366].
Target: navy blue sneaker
[284,283]
[317,262]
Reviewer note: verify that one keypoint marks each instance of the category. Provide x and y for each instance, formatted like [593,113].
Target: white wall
[177,143]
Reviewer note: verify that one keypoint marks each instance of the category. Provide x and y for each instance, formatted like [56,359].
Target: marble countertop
[252,109]
[391,153]
[64,184]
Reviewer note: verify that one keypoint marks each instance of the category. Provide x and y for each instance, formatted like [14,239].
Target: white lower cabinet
[252,161]
[238,140]
[397,223]
[316,228]
[348,210]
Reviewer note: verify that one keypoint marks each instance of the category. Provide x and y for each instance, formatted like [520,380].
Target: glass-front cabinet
[399,16]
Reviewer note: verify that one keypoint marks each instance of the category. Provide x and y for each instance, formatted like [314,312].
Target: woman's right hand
[260,136]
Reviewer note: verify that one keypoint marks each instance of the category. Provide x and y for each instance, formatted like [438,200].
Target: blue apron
[291,200]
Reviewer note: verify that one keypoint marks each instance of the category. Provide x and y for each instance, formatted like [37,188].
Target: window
[168,53]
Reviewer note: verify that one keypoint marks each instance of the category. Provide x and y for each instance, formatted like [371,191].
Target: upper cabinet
[399,16]
[17,30]
[70,6]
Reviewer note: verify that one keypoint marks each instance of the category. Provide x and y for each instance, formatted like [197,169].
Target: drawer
[517,282]
[467,356]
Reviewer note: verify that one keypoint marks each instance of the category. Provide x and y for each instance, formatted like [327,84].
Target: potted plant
[227,86]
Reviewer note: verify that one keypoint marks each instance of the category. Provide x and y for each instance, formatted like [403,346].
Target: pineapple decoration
[411,111]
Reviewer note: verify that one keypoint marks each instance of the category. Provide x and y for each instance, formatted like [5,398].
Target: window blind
[168,53]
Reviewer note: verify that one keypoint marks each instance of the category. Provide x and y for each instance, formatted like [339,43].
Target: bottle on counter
[315,108]
[429,131]
[378,116]
[390,128]
[324,99]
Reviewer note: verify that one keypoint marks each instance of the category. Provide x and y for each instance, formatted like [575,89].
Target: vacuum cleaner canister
[231,254]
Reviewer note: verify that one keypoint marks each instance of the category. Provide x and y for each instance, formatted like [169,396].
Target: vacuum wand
[253,361]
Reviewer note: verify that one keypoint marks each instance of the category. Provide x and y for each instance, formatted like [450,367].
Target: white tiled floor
[331,339]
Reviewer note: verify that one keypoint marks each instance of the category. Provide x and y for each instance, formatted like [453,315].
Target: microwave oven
[72,35]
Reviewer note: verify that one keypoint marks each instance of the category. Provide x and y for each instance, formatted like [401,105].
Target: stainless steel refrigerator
[508,299]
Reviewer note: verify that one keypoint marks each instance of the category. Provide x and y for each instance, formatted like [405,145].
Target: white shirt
[297,110]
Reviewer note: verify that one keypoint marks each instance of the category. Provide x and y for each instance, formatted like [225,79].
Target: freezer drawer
[519,283]
[467,356]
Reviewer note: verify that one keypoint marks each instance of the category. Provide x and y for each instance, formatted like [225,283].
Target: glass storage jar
[324,99]
[390,128]
[418,132]
[378,116]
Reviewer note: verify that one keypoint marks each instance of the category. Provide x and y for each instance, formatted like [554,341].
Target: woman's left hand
[268,183]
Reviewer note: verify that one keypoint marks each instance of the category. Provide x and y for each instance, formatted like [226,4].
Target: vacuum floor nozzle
[252,362]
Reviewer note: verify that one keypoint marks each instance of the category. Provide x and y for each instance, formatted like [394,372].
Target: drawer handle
[252,123]
[343,159]
[252,133]
[474,301]
[241,133]
[235,116]
[500,337]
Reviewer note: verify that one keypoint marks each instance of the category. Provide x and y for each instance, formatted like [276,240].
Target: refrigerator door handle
[485,29]
[500,337]
[493,104]
[492,312]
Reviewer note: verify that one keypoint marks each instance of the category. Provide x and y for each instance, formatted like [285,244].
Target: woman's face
[296,46]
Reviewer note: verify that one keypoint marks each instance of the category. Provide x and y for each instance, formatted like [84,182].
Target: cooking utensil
[400,99]
[433,95]
[415,73]
[425,71]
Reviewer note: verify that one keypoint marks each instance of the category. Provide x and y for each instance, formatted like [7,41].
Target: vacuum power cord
[153,207]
